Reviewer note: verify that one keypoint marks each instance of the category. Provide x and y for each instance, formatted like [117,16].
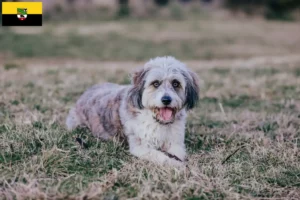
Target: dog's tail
[72,120]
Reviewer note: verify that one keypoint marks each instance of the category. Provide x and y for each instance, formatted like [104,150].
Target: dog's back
[98,109]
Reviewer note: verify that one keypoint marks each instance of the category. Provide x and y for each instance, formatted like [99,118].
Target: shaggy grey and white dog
[150,114]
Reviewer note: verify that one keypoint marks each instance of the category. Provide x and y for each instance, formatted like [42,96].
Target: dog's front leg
[142,151]
[178,150]
[175,146]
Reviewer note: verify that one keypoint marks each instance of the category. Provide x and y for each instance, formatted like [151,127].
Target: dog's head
[165,86]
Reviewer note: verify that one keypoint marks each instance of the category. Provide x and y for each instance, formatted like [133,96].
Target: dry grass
[242,139]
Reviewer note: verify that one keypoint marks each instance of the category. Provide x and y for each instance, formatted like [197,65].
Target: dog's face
[164,86]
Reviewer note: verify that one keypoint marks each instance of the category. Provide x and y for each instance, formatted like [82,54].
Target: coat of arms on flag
[22,13]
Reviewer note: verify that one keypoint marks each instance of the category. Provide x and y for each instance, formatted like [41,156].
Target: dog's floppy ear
[192,90]
[136,93]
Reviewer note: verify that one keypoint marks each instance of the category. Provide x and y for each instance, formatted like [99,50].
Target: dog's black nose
[166,100]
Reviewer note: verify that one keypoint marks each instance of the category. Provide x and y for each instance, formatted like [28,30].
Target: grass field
[242,138]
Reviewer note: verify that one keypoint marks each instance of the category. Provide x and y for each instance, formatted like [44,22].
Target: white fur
[145,136]
[148,138]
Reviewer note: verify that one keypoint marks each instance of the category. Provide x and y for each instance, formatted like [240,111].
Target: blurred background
[242,138]
[137,30]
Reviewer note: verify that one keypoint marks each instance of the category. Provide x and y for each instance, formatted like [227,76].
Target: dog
[150,114]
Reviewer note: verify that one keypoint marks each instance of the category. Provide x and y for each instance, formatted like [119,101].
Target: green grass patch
[9,66]
[288,177]
[297,72]
[121,47]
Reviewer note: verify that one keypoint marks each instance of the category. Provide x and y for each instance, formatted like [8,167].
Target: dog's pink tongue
[166,113]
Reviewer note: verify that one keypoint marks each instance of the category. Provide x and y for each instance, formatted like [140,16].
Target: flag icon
[22,14]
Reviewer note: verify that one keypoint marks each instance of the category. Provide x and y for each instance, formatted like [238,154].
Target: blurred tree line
[270,9]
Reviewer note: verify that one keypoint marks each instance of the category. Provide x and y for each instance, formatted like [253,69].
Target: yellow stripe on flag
[32,7]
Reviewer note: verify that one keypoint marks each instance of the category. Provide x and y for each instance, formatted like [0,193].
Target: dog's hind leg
[73,120]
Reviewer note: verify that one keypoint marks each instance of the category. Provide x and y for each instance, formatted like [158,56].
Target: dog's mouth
[165,115]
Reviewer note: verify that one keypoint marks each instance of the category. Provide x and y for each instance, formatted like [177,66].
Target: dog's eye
[175,84]
[156,84]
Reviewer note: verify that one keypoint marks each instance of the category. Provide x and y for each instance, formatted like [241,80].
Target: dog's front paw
[177,152]
[175,163]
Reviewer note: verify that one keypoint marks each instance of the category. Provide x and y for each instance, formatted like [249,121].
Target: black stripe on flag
[13,20]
